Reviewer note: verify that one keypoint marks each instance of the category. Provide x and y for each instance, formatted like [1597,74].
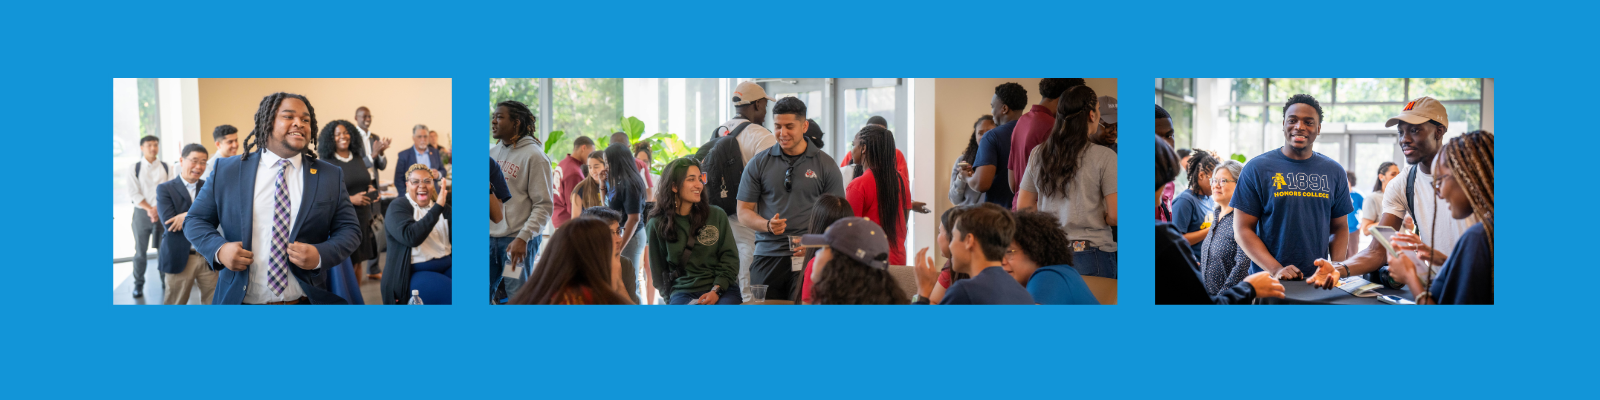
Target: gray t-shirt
[814,174]
[1083,211]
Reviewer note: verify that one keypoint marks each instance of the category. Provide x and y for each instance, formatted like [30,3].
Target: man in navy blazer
[420,150]
[284,215]
[180,263]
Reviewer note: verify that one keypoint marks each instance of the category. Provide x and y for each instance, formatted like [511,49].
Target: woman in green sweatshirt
[692,255]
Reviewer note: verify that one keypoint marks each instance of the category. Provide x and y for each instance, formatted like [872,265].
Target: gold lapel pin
[313,171]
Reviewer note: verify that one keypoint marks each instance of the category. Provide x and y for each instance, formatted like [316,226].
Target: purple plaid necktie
[278,271]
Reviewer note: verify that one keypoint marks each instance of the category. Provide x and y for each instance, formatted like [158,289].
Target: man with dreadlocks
[1464,177]
[1422,125]
[1192,209]
[285,215]
[527,172]
[1290,199]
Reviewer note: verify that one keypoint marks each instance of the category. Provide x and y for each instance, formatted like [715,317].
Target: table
[1298,292]
[769,303]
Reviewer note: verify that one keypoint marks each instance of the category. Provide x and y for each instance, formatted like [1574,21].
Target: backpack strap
[136,167]
[739,129]
[1411,192]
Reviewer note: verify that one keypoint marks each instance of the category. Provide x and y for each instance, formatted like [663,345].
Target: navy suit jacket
[172,198]
[409,157]
[326,221]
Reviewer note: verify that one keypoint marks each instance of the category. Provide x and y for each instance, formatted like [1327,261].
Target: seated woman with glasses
[692,257]
[1222,263]
[418,231]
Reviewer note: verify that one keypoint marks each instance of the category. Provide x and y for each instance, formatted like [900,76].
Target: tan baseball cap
[1421,110]
[748,92]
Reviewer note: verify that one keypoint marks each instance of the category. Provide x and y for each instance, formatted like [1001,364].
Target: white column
[920,163]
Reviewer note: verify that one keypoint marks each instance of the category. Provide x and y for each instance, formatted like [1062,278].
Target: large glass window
[136,111]
[1177,96]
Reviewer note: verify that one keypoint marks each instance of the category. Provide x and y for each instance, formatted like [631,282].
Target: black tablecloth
[1298,292]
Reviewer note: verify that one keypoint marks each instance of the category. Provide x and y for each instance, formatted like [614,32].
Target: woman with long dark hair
[1463,175]
[1372,205]
[852,267]
[591,191]
[829,208]
[961,193]
[625,192]
[693,257]
[575,267]
[881,193]
[338,144]
[1076,180]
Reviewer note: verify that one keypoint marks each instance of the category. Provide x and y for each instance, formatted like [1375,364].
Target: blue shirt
[497,182]
[995,149]
[1355,216]
[1059,284]
[1468,275]
[991,286]
[1189,213]
[1295,202]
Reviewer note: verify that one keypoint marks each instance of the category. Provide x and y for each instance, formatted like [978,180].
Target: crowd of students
[759,210]
[1235,232]
[257,223]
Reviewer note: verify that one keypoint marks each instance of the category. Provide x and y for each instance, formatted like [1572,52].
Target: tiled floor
[122,293]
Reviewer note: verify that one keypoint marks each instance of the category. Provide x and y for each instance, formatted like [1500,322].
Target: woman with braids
[1463,175]
[339,144]
[881,194]
[590,192]
[1193,211]
[1077,181]
[1178,275]
[829,208]
[961,193]
[1039,260]
[575,269]
[527,172]
[852,265]
[419,245]
[277,184]
[692,256]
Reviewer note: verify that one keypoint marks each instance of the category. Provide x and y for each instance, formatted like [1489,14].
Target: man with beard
[1290,199]
[1422,125]
[284,214]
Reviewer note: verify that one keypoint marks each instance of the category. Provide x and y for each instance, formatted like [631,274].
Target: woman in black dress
[337,144]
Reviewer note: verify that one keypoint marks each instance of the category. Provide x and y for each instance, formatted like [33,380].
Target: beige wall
[396,104]
[958,103]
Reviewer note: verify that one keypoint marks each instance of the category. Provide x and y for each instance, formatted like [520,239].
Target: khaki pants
[196,272]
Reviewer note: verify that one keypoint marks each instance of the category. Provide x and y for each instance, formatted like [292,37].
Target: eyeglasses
[1438,181]
[788,179]
[1215,181]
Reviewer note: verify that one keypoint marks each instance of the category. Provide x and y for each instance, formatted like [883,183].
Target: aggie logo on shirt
[1300,184]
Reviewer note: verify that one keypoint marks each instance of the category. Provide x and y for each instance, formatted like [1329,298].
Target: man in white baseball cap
[751,103]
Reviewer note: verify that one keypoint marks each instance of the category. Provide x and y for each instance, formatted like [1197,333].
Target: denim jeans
[1093,262]
[730,297]
[498,260]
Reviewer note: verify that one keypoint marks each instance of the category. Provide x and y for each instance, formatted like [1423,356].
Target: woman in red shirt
[881,193]
[576,268]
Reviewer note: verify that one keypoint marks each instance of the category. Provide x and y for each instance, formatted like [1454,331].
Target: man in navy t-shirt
[989,173]
[979,239]
[1291,199]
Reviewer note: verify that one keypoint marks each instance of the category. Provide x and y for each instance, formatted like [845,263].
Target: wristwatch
[918,299]
[717,289]
[1344,271]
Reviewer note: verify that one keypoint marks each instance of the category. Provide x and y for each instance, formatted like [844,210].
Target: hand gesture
[927,275]
[1402,270]
[380,145]
[710,297]
[920,207]
[175,223]
[1326,276]
[304,255]
[151,212]
[233,256]
[444,195]
[776,225]
[1265,285]
[360,200]
[1289,273]
[966,171]
[1409,241]
[517,251]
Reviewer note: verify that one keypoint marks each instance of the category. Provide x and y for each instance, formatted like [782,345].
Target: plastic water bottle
[416,300]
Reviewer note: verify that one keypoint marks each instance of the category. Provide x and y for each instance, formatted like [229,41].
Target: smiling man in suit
[285,216]
[419,153]
[182,264]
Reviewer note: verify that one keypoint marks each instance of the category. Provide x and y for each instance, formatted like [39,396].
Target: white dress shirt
[192,186]
[143,186]
[366,141]
[259,290]
[437,245]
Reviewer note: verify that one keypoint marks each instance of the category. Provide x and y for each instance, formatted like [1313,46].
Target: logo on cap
[1409,106]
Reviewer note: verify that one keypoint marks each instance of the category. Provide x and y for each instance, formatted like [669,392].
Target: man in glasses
[1422,125]
[780,185]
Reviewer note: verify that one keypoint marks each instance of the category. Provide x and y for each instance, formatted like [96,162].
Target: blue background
[64,341]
